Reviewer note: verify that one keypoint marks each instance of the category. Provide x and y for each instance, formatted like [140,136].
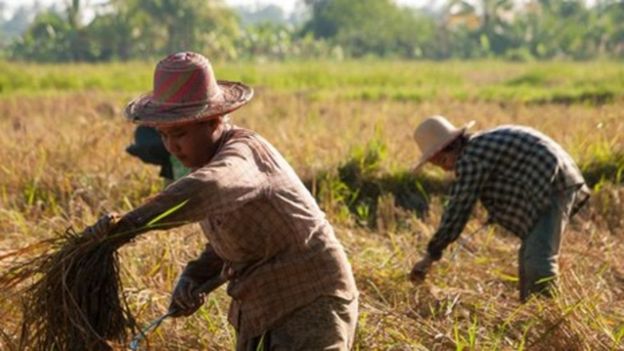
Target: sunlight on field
[63,164]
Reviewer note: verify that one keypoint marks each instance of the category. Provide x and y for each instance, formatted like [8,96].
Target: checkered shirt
[514,171]
[260,220]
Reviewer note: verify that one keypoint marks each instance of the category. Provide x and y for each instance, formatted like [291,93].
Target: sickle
[205,288]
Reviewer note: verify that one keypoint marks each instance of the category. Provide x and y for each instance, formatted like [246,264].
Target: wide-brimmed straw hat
[186,90]
[433,135]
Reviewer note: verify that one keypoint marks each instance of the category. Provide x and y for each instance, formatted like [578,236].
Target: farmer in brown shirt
[291,284]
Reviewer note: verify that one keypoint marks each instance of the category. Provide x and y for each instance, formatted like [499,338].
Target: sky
[287,5]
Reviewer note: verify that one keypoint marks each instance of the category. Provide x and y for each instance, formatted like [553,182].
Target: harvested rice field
[346,129]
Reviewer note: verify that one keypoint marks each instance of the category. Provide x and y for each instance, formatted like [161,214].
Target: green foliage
[335,29]
[605,165]
[48,39]
[189,24]
[596,83]
[132,29]
[357,174]
[370,27]
[363,186]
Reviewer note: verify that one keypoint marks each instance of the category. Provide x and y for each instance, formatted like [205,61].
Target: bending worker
[528,184]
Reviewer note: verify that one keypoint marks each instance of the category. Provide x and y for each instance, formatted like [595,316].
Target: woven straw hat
[186,90]
[433,135]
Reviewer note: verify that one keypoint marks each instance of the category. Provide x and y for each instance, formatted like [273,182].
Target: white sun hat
[434,134]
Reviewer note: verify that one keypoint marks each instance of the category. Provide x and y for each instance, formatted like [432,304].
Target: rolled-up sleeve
[208,265]
[462,198]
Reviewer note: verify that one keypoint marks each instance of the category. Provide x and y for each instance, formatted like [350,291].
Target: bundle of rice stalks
[71,293]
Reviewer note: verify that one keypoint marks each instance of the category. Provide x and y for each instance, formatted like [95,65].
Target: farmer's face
[193,144]
[444,160]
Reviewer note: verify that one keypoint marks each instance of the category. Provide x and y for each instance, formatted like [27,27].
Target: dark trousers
[326,324]
[539,252]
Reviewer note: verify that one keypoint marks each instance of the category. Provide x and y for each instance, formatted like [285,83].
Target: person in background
[291,284]
[149,148]
[528,184]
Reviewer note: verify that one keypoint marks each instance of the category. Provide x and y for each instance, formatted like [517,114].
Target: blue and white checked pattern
[513,170]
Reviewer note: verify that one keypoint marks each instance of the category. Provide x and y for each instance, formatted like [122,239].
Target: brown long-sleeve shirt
[263,224]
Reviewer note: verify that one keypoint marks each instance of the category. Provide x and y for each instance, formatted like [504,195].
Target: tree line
[458,29]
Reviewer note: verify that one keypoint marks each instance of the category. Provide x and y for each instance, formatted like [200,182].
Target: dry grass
[62,164]
[70,293]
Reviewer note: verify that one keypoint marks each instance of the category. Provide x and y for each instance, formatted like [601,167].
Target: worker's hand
[185,300]
[103,227]
[419,272]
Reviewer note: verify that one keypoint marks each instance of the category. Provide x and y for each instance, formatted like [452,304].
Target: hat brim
[427,156]
[145,110]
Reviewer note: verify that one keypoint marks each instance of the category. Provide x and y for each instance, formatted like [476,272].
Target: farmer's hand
[103,226]
[185,300]
[419,272]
